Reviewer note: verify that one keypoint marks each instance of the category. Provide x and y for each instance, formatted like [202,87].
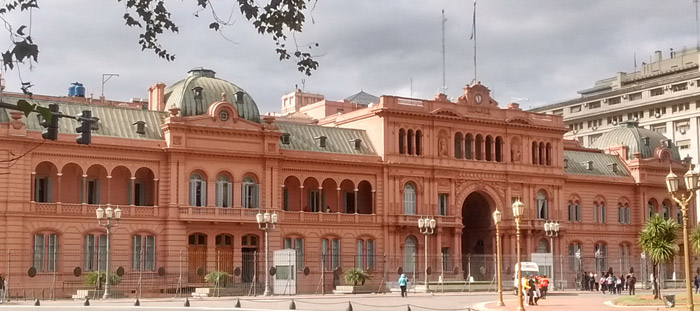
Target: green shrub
[91,278]
[355,276]
[221,276]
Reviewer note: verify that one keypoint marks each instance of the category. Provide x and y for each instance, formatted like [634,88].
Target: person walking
[2,288]
[544,285]
[403,281]
[631,284]
[602,284]
[618,284]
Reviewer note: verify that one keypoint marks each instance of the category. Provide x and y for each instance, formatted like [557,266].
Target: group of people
[608,282]
[534,288]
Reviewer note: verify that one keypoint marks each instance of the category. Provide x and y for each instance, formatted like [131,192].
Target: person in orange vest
[544,285]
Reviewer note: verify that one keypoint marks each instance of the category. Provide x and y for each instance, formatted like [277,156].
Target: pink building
[191,172]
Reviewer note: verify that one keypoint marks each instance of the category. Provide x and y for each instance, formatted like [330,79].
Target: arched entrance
[477,235]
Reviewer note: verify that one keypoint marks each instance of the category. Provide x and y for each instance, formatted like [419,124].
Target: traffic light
[85,119]
[51,131]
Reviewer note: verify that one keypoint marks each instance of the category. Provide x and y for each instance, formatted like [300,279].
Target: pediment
[518,120]
[446,112]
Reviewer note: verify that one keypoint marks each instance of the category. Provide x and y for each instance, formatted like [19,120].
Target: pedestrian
[526,290]
[2,288]
[592,280]
[403,281]
[696,283]
[544,286]
[631,284]
[610,284]
[532,287]
[618,285]
[602,284]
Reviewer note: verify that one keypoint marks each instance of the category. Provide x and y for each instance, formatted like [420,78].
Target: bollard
[408,307]
[349,307]
[87,301]
[292,305]
[238,303]
[187,302]
[137,302]
[36,302]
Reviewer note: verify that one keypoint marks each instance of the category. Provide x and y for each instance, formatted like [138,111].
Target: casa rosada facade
[192,166]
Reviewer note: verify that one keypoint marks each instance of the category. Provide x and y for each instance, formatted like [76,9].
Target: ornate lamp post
[683,197]
[497,221]
[551,228]
[426,226]
[644,270]
[579,267]
[107,214]
[266,222]
[517,213]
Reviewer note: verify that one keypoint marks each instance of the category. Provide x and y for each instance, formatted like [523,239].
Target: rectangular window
[442,204]
[348,202]
[250,194]
[574,256]
[313,200]
[635,96]
[335,253]
[45,257]
[595,213]
[558,112]
[578,212]
[682,126]
[659,128]
[369,254]
[359,253]
[143,252]
[683,144]
[594,105]
[93,191]
[614,100]
[139,193]
[42,190]
[679,87]
[576,108]
[285,198]
[603,214]
[198,192]
[446,259]
[330,251]
[95,249]
[656,92]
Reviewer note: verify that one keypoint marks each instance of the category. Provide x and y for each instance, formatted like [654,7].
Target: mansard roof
[576,163]
[306,137]
[113,121]
[638,139]
[363,98]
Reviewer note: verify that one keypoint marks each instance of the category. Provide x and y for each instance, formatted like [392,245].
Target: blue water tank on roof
[71,90]
[79,90]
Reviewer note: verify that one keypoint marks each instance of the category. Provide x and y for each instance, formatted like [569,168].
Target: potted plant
[354,278]
[217,278]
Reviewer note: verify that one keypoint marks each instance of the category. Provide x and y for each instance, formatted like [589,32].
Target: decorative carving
[442,146]
[177,140]
[16,122]
[515,156]
[271,147]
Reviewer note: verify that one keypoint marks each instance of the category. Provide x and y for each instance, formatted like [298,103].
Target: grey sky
[543,50]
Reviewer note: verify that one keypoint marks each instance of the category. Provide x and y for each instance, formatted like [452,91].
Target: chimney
[657,56]
[156,97]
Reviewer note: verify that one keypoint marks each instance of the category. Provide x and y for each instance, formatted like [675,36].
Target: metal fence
[181,273]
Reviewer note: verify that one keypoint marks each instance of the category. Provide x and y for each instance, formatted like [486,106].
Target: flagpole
[474,37]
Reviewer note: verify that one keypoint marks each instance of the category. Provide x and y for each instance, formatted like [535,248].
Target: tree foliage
[695,240]
[276,19]
[658,241]
[355,276]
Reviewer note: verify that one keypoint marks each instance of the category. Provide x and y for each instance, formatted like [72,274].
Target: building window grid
[143,255]
[330,252]
[94,252]
[442,204]
[45,255]
[296,244]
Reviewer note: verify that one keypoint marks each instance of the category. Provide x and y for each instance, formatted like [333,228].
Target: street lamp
[644,271]
[551,228]
[426,226]
[517,213]
[683,197]
[497,221]
[579,268]
[266,222]
[107,214]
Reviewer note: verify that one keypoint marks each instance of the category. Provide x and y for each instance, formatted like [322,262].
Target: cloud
[544,50]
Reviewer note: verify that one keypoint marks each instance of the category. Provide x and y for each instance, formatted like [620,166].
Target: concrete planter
[349,289]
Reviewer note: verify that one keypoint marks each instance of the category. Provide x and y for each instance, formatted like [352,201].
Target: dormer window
[239,97]
[321,141]
[588,165]
[645,140]
[357,143]
[614,167]
[197,92]
[140,127]
[285,138]
[566,163]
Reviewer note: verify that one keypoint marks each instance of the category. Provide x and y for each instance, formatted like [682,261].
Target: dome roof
[194,94]
[637,139]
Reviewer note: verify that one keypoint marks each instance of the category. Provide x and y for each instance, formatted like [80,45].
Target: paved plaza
[570,301]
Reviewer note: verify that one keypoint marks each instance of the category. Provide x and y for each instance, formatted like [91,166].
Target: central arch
[477,235]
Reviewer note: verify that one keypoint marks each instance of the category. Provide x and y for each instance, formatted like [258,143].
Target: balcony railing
[218,213]
[329,218]
[412,220]
[77,209]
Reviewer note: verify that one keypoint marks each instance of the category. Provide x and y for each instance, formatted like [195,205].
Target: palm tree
[695,240]
[658,240]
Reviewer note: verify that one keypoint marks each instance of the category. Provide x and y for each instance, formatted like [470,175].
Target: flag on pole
[473,23]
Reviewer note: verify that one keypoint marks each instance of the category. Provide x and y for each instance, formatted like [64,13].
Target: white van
[528,268]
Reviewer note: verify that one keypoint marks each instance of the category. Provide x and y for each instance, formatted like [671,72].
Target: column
[31,188]
[493,151]
[282,203]
[355,201]
[338,199]
[374,201]
[472,144]
[58,187]
[109,189]
[301,198]
[438,247]
[237,195]
[321,205]
[156,195]
[83,198]
[132,187]
[483,149]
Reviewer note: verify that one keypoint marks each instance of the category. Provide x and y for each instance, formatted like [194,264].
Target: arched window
[620,213]
[45,252]
[95,250]
[666,209]
[296,244]
[624,252]
[595,212]
[488,147]
[549,154]
[198,190]
[601,257]
[409,199]
[574,211]
[651,207]
[419,143]
[499,149]
[250,193]
[575,257]
[402,141]
[542,246]
[364,254]
[409,254]
[458,145]
[535,152]
[628,217]
[143,252]
[409,140]
[542,155]
[224,196]
[330,251]
[479,147]
[599,212]
[541,205]
[468,142]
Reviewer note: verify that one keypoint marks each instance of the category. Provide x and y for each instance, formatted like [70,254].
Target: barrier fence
[186,272]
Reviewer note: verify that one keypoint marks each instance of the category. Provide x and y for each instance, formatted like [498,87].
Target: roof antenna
[303,85]
[443,89]
[697,29]
[473,36]
[109,76]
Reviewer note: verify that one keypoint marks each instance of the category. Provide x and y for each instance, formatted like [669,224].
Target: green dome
[637,139]
[194,94]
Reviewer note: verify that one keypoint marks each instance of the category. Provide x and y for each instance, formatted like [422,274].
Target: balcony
[77,209]
[412,220]
[227,214]
[328,218]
